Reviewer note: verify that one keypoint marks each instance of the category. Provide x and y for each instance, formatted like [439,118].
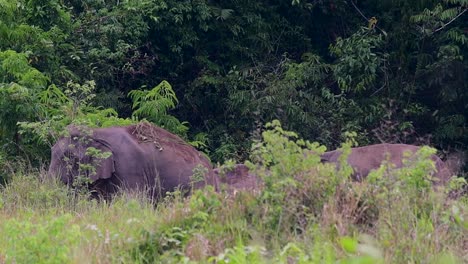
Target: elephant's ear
[103,163]
[104,168]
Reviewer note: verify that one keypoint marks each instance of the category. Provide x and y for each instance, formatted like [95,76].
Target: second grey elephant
[367,158]
[137,157]
[237,177]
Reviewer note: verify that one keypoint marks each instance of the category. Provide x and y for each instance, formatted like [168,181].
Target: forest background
[215,72]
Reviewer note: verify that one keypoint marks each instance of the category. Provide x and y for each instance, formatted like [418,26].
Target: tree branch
[360,12]
[355,7]
[453,19]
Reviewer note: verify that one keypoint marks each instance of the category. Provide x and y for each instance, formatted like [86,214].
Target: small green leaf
[349,244]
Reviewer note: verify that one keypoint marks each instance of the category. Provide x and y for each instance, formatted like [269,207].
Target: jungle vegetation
[216,72]
[390,71]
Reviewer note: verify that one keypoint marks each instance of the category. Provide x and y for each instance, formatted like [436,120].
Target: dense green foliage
[392,71]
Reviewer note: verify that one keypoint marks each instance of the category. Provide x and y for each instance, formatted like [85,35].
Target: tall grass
[305,212]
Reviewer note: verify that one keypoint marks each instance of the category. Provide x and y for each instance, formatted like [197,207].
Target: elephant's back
[179,158]
[145,131]
[371,157]
[161,139]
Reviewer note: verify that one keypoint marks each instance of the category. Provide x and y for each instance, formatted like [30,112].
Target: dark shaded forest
[215,72]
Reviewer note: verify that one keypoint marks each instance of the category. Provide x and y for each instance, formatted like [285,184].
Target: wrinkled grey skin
[367,158]
[237,178]
[155,168]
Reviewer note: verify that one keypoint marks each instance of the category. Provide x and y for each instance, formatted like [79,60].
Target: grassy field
[306,212]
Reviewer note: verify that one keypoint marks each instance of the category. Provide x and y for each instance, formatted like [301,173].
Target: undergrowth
[305,212]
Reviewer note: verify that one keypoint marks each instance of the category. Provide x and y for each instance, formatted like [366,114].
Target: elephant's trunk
[57,170]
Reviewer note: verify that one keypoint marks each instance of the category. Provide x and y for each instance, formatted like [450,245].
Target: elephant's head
[81,157]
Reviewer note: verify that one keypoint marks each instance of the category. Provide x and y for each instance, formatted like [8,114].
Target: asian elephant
[137,157]
[367,158]
[237,177]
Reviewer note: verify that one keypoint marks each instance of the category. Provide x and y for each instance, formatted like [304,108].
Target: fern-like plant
[154,105]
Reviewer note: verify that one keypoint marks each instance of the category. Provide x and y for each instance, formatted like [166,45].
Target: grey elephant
[138,157]
[367,158]
[237,177]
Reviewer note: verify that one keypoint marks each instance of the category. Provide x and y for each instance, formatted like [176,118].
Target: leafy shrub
[170,239]
[154,106]
[242,255]
[296,185]
[300,193]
